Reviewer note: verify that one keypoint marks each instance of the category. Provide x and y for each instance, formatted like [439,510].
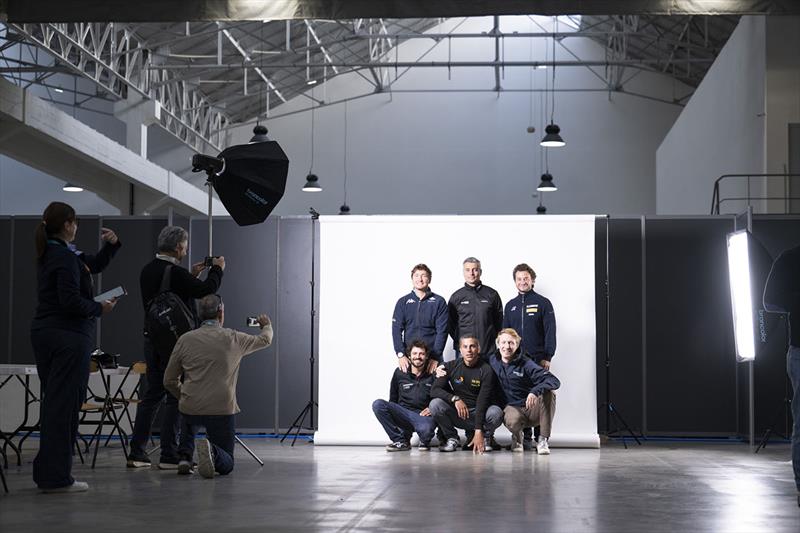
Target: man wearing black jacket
[407,409]
[475,309]
[461,398]
[173,243]
[527,390]
[782,295]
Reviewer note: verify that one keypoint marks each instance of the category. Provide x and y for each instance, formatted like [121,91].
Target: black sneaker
[424,446]
[467,446]
[527,445]
[487,444]
[138,461]
[399,446]
[168,464]
[184,467]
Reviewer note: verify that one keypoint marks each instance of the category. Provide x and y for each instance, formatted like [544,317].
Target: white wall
[783,102]
[469,152]
[721,130]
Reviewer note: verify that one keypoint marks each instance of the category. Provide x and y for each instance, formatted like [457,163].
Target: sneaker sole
[139,464]
[167,466]
[205,461]
[184,470]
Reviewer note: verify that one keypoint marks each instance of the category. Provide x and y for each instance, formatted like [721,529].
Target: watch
[400,355]
[455,398]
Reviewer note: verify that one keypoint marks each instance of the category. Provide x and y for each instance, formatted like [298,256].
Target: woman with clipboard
[63,336]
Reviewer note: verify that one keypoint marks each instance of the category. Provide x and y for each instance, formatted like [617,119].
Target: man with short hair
[420,315]
[173,245]
[462,397]
[407,409]
[532,316]
[475,309]
[202,372]
[528,391]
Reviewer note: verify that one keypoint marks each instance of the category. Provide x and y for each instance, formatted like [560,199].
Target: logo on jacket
[484,301]
[475,382]
[407,386]
[512,309]
[410,301]
[518,373]
[459,380]
[465,302]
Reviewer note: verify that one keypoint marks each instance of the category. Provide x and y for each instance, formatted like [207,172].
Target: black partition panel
[121,330]
[295,318]
[626,362]
[249,287]
[690,358]
[6,304]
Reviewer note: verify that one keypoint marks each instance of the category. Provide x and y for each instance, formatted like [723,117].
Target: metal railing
[716,199]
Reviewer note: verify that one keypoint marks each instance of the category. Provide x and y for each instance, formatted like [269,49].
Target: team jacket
[521,377]
[782,292]
[474,385]
[410,391]
[476,311]
[532,316]
[424,319]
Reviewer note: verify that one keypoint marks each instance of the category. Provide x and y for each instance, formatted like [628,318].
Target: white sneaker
[516,444]
[78,486]
[543,447]
[205,460]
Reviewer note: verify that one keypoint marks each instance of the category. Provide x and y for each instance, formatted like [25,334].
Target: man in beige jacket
[208,358]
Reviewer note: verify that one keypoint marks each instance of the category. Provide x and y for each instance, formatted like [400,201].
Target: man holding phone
[173,245]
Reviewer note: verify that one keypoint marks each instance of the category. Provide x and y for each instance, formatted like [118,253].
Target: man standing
[407,409]
[532,316]
[208,358]
[173,245]
[782,295]
[528,390]
[461,399]
[475,309]
[420,315]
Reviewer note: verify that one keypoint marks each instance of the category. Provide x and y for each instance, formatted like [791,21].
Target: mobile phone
[252,322]
[116,292]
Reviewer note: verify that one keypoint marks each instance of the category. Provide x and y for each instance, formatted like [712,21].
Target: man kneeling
[528,390]
[209,358]
[407,408]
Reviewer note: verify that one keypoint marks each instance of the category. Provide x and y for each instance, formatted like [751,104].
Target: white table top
[30,370]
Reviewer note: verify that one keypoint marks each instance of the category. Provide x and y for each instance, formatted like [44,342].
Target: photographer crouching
[209,359]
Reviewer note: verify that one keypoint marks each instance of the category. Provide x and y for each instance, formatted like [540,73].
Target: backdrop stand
[308,410]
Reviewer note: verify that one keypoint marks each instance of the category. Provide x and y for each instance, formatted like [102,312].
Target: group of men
[500,375]
[195,378]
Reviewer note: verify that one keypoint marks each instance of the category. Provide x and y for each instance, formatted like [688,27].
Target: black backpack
[167,318]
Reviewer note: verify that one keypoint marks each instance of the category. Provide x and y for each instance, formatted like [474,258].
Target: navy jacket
[782,292]
[424,319]
[410,391]
[182,283]
[66,288]
[476,311]
[474,385]
[521,377]
[532,316]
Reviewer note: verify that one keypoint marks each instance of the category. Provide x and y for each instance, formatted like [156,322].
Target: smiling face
[472,273]
[421,280]
[523,281]
[418,356]
[507,344]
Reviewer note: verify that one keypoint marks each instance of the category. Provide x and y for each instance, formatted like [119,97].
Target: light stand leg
[248,450]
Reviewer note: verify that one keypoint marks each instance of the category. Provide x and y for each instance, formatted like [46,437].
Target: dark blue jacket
[532,316]
[424,319]
[66,288]
[521,377]
[410,391]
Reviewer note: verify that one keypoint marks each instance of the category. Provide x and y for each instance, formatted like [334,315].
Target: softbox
[252,180]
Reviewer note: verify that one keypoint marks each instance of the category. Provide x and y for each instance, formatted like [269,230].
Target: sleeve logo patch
[475,383]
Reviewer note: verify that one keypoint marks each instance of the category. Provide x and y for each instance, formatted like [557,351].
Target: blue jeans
[146,411]
[220,431]
[62,361]
[447,419]
[400,422]
[793,369]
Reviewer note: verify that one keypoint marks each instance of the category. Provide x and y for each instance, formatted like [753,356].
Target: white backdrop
[365,266]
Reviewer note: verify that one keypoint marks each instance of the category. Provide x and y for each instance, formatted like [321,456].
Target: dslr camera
[208,261]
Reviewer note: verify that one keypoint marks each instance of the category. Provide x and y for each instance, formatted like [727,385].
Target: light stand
[308,410]
[209,183]
[784,409]
[608,406]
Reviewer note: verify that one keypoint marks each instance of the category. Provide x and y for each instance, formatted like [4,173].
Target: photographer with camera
[208,358]
[164,277]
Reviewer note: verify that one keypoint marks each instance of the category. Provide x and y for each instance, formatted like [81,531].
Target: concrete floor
[655,487]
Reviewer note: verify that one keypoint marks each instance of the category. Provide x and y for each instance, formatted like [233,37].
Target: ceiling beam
[22,11]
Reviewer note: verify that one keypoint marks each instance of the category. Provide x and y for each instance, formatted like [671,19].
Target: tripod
[785,409]
[608,406]
[308,410]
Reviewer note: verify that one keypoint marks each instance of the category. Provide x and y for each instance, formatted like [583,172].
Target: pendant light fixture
[345,209]
[69,187]
[312,180]
[552,137]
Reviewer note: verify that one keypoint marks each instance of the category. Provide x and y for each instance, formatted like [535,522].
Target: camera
[252,322]
[208,261]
